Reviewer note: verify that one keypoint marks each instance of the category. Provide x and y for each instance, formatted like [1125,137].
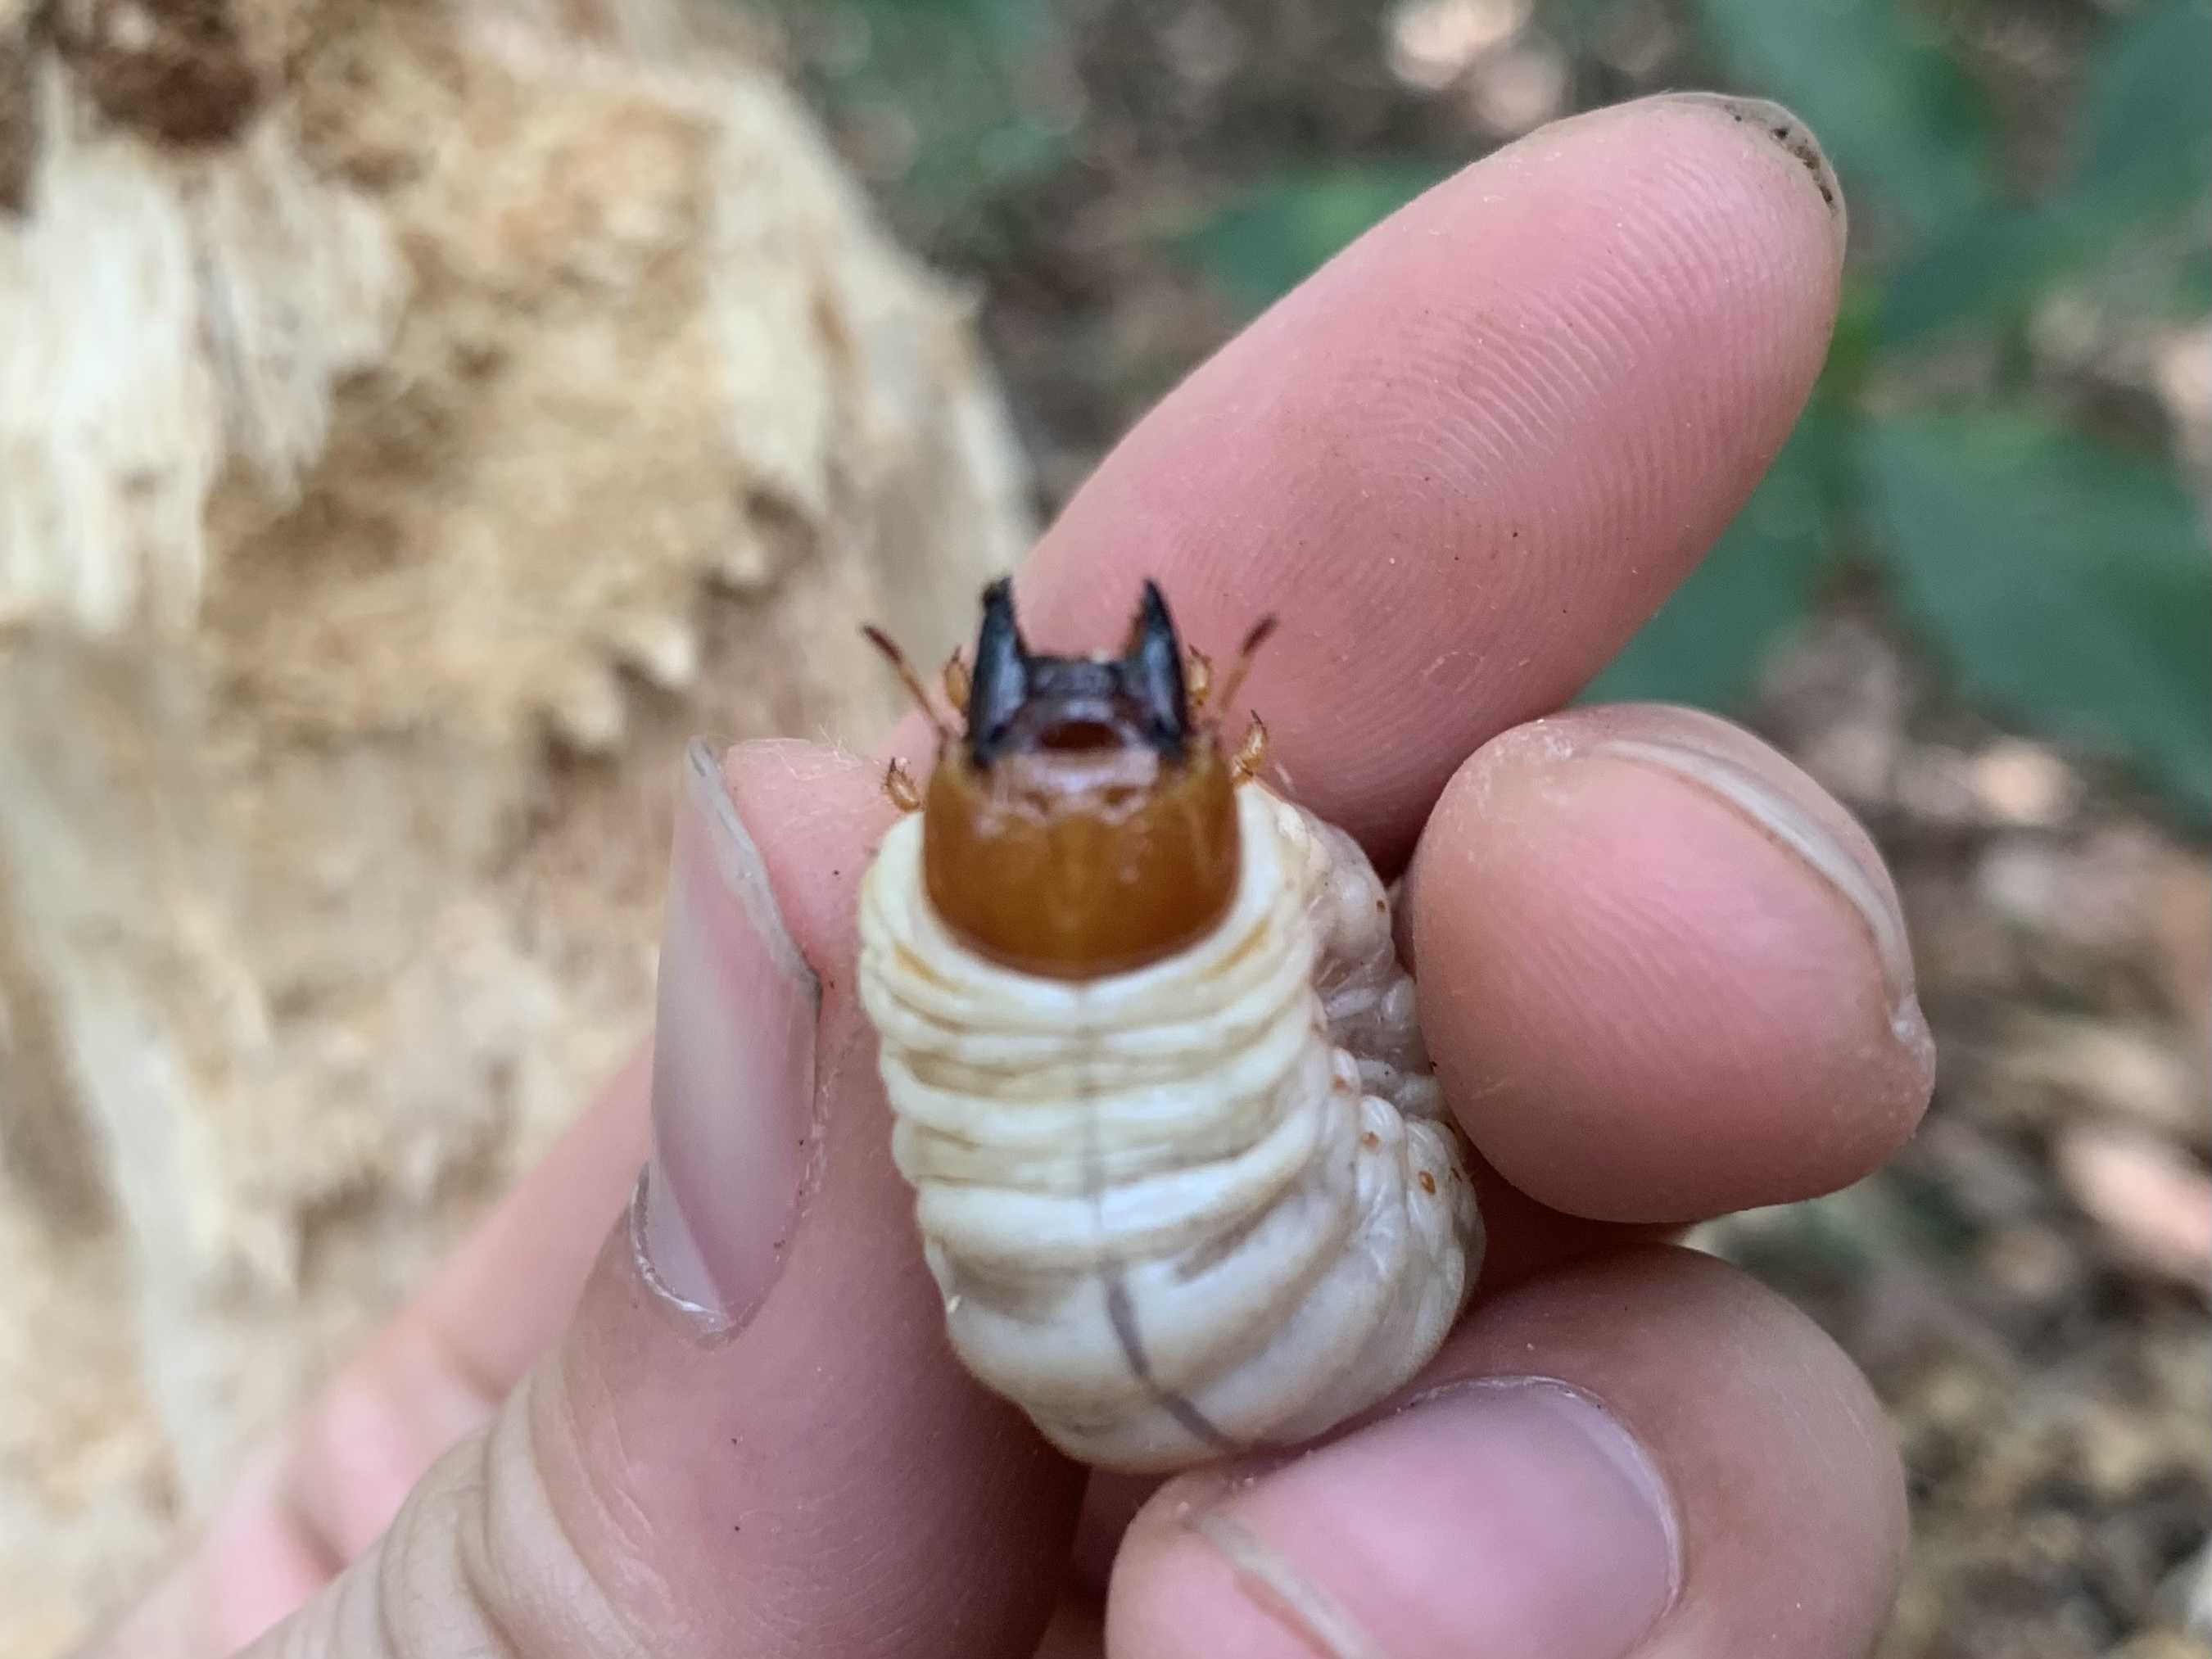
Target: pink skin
[1426,1559]
[1463,463]
[1705,956]
[1494,434]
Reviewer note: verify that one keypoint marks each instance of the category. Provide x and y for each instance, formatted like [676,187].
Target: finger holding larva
[1182,1172]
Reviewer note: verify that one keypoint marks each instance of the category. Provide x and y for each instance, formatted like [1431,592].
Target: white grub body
[1209,1205]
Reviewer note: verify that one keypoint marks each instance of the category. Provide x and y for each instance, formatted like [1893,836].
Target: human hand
[1661,975]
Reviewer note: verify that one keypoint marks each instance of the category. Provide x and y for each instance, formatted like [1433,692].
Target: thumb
[751,1440]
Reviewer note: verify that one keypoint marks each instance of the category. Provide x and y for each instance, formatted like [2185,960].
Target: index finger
[1469,458]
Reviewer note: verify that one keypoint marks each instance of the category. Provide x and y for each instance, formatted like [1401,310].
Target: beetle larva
[1183,1173]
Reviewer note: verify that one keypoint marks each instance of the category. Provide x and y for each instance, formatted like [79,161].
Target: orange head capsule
[1083,825]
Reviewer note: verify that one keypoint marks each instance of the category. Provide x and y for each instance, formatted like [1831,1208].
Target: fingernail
[1789,135]
[1785,822]
[733,1128]
[1513,1514]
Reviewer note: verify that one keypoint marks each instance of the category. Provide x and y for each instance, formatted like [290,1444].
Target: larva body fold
[1208,1204]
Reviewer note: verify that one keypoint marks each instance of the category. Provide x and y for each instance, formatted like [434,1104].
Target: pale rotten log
[414,419]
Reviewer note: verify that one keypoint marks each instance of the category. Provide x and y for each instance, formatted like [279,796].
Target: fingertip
[795,789]
[816,811]
[1466,1512]
[1662,975]
[1772,136]
[1650,1454]
[1493,433]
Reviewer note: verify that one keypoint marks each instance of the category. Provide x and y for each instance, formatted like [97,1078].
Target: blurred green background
[2007,445]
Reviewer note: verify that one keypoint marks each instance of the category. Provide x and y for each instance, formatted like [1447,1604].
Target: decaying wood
[416,419]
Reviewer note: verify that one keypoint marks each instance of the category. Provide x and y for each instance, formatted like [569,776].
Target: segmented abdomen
[1209,1205]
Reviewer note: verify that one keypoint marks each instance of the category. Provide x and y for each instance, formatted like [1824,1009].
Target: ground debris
[2027,1283]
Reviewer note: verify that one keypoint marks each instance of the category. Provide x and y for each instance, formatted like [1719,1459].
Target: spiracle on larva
[1182,1171]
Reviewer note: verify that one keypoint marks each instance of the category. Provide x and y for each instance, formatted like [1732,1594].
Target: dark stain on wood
[19,125]
[178,72]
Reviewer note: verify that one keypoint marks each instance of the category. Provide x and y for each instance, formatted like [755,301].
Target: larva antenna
[912,681]
[1233,682]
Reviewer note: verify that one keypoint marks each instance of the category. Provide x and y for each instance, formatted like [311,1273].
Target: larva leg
[957,684]
[1364,990]
[1245,653]
[1197,677]
[1251,757]
[899,785]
